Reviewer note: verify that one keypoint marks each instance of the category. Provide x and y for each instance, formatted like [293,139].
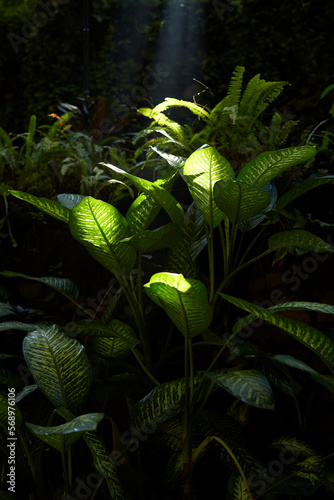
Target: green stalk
[223,243]
[250,246]
[27,452]
[186,438]
[12,239]
[139,285]
[138,318]
[63,460]
[69,463]
[209,237]
[235,460]
[236,271]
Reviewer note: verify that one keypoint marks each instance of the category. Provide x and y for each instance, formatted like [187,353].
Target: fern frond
[235,87]
[258,99]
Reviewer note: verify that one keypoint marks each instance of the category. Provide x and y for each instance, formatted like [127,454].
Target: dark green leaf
[59,366]
[49,207]
[71,431]
[250,386]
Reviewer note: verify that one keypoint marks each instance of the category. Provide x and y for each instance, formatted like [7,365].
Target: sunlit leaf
[202,170]
[268,165]
[185,301]
[240,201]
[99,227]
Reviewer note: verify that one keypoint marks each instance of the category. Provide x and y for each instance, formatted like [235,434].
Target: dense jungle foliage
[283,41]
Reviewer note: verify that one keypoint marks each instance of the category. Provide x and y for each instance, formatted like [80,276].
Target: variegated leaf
[52,208]
[59,365]
[105,465]
[185,301]
[202,170]
[250,386]
[62,436]
[99,227]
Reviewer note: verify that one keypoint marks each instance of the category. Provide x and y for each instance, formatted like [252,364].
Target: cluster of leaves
[155,358]
[54,158]
[234,126]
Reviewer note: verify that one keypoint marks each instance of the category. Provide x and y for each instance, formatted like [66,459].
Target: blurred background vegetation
[189,39]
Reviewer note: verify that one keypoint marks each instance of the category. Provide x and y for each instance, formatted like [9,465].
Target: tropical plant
[168,390]
[235,126]
[53,158]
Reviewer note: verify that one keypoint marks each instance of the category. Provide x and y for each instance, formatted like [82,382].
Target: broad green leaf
[16,325]
[307,335]
[63,285]
[254,221]
[169,434]
[145,208]
[5,409]
[71,431]
[185,301]
[240,201]
[183,256]
[303,305]
[298,238]
[104,464]
[52,208]
[99,227]
[250,386]
[325,380]
[160,195]
[149,241]
[300,189]
[202,170]
[118,344]
[268,165]
[59,366]
[115,329]
[161,404]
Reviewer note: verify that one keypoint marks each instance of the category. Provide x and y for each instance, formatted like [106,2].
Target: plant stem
[235,460]
[236,271]
[186,438]
[63,460]
[209,237]
[138,318]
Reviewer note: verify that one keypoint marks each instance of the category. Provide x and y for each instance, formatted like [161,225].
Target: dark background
[282,40]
